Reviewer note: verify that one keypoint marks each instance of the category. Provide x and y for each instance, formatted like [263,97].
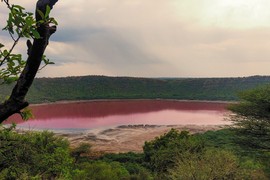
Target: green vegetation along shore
[103,87]
[172,156]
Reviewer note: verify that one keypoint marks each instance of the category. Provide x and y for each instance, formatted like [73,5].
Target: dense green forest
[102,87]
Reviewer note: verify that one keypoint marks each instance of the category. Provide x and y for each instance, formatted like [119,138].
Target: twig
[42,67]
[7,3]
[10,51]
[11,36]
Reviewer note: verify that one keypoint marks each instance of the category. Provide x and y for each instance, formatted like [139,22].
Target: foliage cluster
[174,155]
[253,161]
[101,170]
[251,118]
[33,154]
[42,155]
[163,152]
[251,123]
[178,155]
[182,156]
[20,24]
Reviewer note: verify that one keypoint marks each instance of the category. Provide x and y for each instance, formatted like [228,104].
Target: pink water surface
[94,114]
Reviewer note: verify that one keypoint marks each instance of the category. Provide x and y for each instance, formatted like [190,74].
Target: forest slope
[103,87]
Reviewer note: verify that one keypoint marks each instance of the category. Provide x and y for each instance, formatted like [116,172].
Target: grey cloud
[71,34]
[114,52]
[108,49]
[113,48]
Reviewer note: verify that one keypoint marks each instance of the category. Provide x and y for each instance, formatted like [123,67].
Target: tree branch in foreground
[17,102]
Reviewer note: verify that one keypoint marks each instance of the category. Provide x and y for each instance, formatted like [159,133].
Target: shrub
[33,154]
[99,170]
[81,149]
[133,163]
[212,164]
[124,157]
[161,153]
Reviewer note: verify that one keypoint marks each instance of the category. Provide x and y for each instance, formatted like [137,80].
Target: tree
[162,153]
[251,118]
[37,155]
[210,164]
[77,152]
[38,29]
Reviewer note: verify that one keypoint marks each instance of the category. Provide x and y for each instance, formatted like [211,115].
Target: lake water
[95,114]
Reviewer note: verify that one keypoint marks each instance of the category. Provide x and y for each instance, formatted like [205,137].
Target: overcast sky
[157,38]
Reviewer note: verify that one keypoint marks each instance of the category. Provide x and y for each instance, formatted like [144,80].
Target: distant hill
[102,87]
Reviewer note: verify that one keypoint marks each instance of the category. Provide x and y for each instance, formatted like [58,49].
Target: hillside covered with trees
[102,87]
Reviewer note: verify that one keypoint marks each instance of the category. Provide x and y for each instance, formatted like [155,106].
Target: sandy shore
[126,138]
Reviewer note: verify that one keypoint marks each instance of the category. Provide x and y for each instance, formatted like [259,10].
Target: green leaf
[41,14]
[52,20]
[36,34]
[48,10]
[29,21]
[10,80]
[1,45]
[27,114]
[18,7]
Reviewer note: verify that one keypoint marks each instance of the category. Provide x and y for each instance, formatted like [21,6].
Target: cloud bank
[157,38]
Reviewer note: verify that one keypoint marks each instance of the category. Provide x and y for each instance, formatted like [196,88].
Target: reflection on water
[110,113]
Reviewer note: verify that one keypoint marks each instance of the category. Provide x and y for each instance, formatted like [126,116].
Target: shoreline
[112,100]
[124,138]
[128,138]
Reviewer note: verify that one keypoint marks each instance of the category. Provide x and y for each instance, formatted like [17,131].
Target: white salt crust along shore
[127,138]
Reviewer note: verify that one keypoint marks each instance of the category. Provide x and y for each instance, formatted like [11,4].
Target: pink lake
[96,114]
